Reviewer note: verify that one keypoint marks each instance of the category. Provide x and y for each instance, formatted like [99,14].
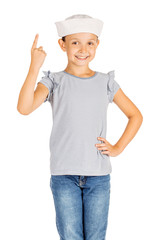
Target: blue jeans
[81,206]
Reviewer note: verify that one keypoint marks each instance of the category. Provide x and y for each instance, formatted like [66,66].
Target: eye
[74,43]
[91,43]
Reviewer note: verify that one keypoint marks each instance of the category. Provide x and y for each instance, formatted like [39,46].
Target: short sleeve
[112,86]
[49,82]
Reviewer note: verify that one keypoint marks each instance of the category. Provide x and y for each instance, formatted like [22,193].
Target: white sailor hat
[79,23]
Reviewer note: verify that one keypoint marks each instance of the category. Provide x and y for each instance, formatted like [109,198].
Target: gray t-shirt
[79,113]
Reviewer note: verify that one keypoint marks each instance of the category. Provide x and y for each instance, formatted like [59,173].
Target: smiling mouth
[81,58]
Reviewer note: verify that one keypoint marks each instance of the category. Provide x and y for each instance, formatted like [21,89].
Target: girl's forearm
[130,131]
[26,95]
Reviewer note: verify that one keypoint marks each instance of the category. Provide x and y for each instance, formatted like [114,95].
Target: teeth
[81,57]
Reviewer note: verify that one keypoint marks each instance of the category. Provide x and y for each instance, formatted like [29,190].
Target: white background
[129,44]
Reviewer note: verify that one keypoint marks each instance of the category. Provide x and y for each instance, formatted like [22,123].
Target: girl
[80,154]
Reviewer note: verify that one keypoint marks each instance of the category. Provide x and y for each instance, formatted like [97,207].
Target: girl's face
[80,47]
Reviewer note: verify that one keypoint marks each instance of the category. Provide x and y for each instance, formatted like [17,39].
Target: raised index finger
[35,41]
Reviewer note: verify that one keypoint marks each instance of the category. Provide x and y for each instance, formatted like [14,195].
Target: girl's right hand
[37,54]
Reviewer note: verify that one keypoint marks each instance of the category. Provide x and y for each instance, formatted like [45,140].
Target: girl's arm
[26,94]
[29,99]
[135,119]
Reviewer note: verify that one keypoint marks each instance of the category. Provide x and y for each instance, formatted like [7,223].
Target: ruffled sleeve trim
[49,81]
[112,86]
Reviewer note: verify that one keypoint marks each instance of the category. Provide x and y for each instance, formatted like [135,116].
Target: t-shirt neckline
[80,77]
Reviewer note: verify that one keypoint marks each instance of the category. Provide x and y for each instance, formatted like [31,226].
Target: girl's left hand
[109,149]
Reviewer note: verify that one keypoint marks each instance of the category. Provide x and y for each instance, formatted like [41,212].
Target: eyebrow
[79,39]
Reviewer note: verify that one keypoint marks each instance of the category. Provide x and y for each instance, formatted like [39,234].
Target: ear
[98,42]
[62,44]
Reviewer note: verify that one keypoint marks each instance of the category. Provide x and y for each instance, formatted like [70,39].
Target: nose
[83,49]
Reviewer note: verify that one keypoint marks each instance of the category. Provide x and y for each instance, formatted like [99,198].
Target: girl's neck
[80,71]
